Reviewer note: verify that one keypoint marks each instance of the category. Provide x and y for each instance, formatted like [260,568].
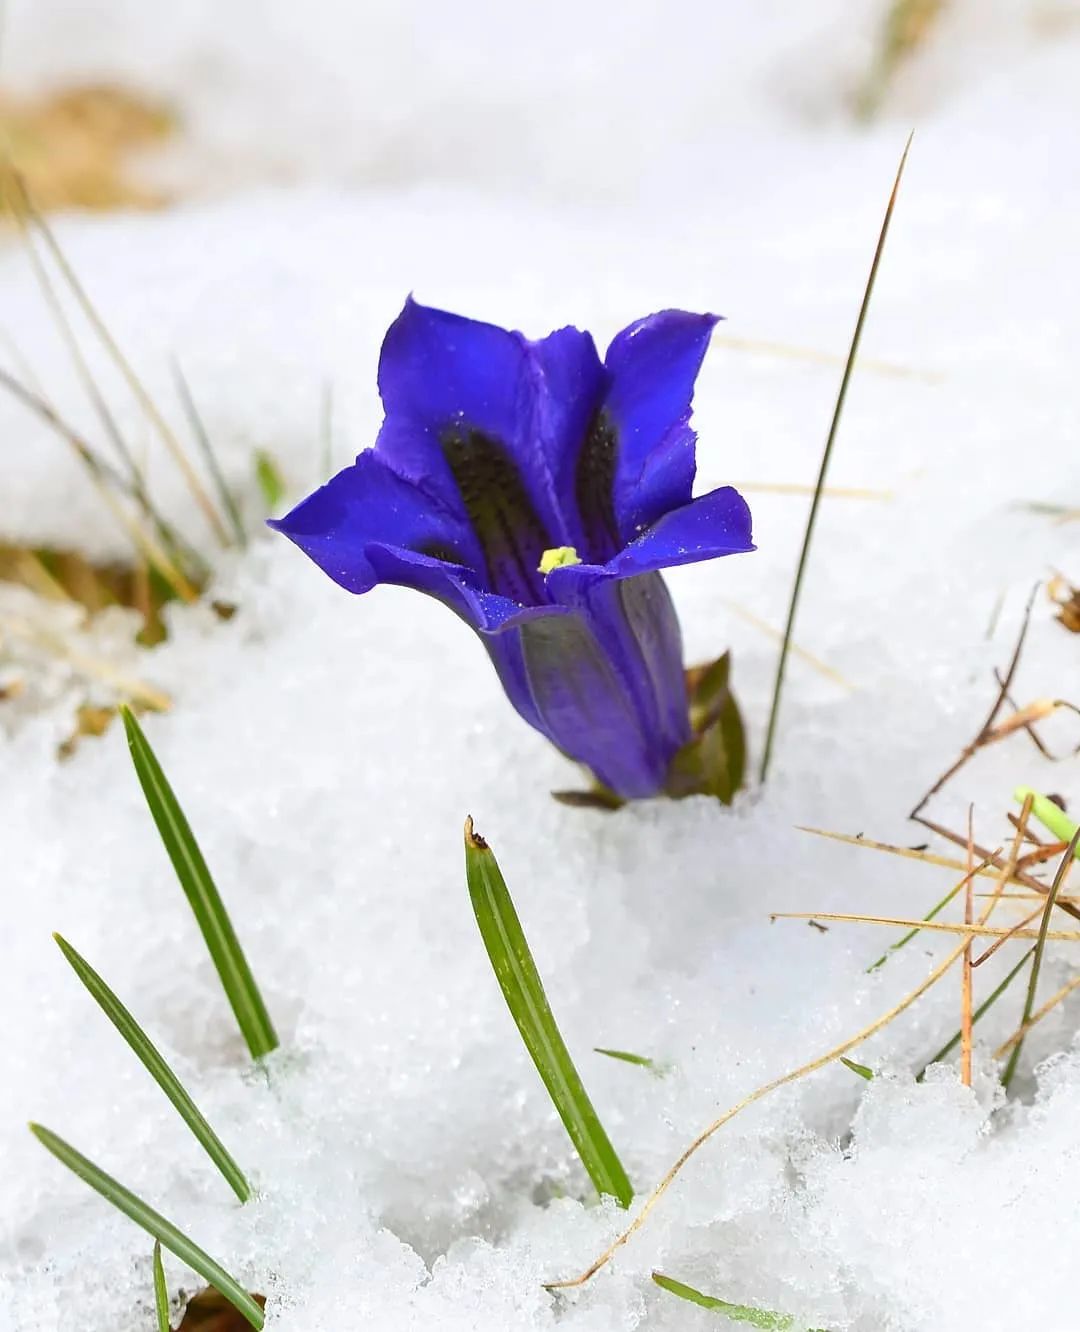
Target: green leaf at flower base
[714,761]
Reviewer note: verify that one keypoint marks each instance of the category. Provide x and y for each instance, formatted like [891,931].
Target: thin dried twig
[976,931]
[970,750]
[1007,870]
[908,853]
[965,961]
[1036,740]
[1036,964]
[812,1067]
[1019,876]
[1037,1016]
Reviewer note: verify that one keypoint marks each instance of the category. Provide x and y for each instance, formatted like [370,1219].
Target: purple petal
[653,365]
[440,373]
[710,526]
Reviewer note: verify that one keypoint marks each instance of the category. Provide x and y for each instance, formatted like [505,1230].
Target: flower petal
[445,377]
[585,705]
[653,365]
[366,506]
[710,526]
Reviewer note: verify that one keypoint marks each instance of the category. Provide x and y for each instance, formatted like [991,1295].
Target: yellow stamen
[558,558]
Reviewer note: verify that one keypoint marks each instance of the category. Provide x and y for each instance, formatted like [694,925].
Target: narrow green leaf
[907,938]
[161,1294]
[1040,946]
[1050,815]
[860,1069]
[738,1313]
[271,482]
[988,1002]
[240,988]
[628,1057]
[838,411]
[158,1069]
[152,1222]
[523,991]
[202,438]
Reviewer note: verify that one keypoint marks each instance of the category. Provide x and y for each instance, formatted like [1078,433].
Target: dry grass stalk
[138,691]
[910,853]
[787,351]
[803,1071]
[1051,1003]
[135,385]
[978,930]
[965,960]
[823,668]
[73,146]
[799,488]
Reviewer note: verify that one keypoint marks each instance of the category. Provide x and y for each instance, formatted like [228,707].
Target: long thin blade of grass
[991,999]
[240,988]
[158,1069]
[523,991]
[135,385]
[628,1057]
[202,438]
[930,915]
[161,1293]
[737,1313]
[838,410]
[1036,961]
[152,1222]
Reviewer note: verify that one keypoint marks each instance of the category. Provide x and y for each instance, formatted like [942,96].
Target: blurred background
[110,101]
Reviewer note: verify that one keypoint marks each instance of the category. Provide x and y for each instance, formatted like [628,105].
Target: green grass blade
[158,1069]
[271,482]
[240,988]
[988,1002]
[738,1313]
[1051,816]
[628,1057]
[838,411]
[860,1069]
[523,991]
[202,438]
[935,910]
[152,1222]
[161,1294]
[1040,946]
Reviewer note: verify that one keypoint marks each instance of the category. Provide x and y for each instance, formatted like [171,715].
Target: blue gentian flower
[536,490]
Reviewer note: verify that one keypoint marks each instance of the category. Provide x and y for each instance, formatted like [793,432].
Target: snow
[411,1171]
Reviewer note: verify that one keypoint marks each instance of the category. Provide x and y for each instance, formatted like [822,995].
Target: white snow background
[582,164]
